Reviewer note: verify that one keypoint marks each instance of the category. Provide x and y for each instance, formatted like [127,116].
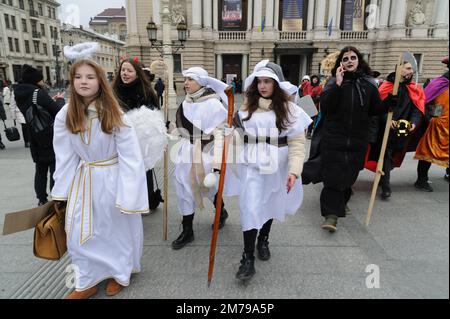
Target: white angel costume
[200,121]
[102,177]
[263,167]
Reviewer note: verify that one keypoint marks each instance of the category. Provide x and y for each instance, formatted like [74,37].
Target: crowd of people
[97,170]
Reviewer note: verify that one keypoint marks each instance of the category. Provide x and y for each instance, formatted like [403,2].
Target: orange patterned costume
[433,147]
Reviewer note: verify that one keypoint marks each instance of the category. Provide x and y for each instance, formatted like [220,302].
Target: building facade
[111,21]
[228,37]
[30,34]
[111,49]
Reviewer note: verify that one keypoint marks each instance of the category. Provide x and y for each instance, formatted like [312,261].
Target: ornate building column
[257,13]
[276,20]
[320,14]
[244,66]
[250,15]
[384,13]
[269,13]
[196,14]
[156,8]
[398,17]
[207,11]
[310,22]
[215,14]
[219,67]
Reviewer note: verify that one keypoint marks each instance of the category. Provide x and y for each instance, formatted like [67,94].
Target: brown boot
[113,288]
[85,294]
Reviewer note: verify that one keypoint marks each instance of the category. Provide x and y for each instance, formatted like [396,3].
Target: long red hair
[108,109]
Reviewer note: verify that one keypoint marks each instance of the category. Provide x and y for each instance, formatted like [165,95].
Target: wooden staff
[166,156]
[212,252]
[379,171]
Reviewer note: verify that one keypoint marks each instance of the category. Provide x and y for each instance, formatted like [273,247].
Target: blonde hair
[108,109]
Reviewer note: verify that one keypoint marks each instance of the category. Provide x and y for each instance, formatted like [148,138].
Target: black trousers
[161,100]
[40,179]
[250,236]
[422,171]
[333,201]
[385,180]
[25,133]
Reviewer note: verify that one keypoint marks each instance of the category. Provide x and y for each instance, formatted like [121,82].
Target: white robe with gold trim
[102,177]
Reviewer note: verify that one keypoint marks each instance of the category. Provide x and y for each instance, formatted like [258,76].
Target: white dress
[102,177]
[263,170]
[205,115]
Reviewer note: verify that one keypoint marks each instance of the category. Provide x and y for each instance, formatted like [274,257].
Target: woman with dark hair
[271,160]
[132,86]
[340,140]
[133,89]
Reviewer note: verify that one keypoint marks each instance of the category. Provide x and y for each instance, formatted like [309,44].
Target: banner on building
[358,15]
[231,14]
[348,15]
[292,15]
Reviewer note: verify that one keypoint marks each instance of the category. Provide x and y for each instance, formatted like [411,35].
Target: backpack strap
[35,93]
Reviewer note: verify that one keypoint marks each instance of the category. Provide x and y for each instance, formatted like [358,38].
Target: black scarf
[130,95]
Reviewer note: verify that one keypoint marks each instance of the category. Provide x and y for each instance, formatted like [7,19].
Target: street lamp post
[57,52]
[165,47]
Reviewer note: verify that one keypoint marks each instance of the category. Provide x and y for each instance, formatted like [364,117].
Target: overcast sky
[78,12]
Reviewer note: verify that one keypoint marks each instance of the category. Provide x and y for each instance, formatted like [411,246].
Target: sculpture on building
[416,15]
[177,13]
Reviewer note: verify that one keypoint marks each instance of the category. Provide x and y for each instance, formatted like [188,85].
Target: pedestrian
[17,115]
[100,173]
[409,106]
[200,121]
[159,87]
[41,149]
[433,146]
[271,160]
[305,86]
[3,118]
[340,139]
[314,91]
[133,89]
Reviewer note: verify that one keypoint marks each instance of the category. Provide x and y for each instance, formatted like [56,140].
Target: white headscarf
[273,71]
[200,75]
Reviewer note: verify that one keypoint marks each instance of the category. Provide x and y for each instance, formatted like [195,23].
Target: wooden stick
[166,159]
[212,252]
[379,171]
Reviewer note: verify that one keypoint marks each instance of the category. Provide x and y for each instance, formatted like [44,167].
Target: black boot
[385,191]
[222,218]
[187,235]
[263,248]
[247,267]
[2,146]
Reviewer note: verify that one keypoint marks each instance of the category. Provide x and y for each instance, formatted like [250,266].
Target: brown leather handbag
[49,234]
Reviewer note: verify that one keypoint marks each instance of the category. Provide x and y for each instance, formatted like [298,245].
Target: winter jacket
[341,138]
[24,95]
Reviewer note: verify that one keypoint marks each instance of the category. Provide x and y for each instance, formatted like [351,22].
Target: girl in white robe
[271,162]
[200,121]
[100,173]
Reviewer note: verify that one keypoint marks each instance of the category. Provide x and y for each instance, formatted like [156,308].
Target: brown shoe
[113,288]
[85,294]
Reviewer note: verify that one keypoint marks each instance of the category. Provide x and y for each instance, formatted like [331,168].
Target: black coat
[130,96]
[340,139]
[2,112]
[24,95]
[405,109]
